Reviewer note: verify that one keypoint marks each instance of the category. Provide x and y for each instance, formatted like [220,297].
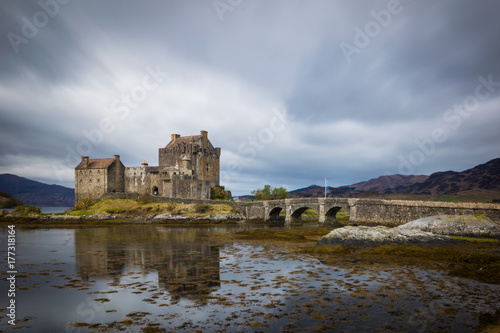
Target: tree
[219,192]
[279,193]
[269,193]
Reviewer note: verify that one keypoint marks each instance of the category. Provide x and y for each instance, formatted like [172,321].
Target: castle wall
[181,186]
[116,177]
[205,160]
[90,183]
[192,178]
[142,180]
[207,165]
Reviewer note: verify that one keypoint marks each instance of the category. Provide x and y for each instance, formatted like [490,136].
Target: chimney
[144,164]
[85,160]
[175,136]
[117,157]
[204,139]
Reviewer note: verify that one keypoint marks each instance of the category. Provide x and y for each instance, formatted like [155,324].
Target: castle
[187,168]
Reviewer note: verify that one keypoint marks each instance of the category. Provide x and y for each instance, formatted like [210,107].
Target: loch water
[153,278]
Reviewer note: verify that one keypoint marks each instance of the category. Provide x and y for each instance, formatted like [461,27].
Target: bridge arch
[297,213]
[274,214]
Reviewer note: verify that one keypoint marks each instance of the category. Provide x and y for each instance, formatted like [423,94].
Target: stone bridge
[363,211]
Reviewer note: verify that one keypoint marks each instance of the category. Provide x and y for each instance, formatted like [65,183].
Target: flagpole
[325,188]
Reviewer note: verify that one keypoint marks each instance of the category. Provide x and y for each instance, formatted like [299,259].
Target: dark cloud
[347,120]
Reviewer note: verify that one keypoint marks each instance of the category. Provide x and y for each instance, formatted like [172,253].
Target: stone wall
[116,176]
[397,212]
[90,183]
[184,186]
[142,180]
[205,159]
[368,211]
[135,196]
[252,210]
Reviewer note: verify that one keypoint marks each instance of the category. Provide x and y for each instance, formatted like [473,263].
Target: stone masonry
[187,168]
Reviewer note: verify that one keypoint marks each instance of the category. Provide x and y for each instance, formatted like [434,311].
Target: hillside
[31,192]
[8,201]
[482,180]
[382,183]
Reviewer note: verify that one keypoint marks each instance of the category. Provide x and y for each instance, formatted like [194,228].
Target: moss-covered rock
[456,225]
[362,236]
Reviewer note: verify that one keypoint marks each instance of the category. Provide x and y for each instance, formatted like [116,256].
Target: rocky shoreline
[429,231]
[151,218]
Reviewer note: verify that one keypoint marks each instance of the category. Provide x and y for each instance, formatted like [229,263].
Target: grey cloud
[352,120]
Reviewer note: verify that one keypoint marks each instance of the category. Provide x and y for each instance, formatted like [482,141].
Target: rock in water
[371,236]
[456,225]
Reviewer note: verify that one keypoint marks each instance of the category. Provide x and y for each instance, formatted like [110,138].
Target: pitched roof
[98,163]
[183,140]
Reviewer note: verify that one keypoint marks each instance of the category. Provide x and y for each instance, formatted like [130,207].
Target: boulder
[228,217]
[372,236]
[455,225]
[100,216]
[163,216]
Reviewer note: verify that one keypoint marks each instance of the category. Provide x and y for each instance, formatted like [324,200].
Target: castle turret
[186,162]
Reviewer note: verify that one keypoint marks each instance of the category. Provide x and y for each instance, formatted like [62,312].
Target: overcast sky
[292,91]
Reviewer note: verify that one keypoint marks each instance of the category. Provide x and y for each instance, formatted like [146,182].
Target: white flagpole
[325,188]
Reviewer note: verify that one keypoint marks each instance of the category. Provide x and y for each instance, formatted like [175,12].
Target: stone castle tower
[187,168]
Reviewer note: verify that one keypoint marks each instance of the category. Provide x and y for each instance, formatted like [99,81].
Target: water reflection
[146,278]
[187,268]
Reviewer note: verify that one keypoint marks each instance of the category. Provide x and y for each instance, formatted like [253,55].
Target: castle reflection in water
[187,268]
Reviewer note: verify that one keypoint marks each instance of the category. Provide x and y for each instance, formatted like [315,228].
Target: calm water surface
[172,279]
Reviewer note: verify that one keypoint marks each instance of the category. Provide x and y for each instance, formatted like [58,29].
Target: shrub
[201,208]
[10,203]
[27,209]
[84,204]
[145,199]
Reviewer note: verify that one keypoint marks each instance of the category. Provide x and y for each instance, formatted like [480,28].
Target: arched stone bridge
[363,211]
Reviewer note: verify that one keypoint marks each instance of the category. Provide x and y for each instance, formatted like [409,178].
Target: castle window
[90,180]
[207,167]
[98,180]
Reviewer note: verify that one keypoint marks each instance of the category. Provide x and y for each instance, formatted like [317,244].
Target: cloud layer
[273,83]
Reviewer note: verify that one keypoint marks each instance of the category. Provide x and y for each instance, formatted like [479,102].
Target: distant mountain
[382,183]
[31,192]
[311,187]
[482,180]
[315,191]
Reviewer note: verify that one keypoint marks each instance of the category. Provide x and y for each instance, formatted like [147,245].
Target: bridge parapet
[364,211]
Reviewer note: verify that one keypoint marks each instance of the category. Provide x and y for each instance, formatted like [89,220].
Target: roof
[98,163]
[183,140]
